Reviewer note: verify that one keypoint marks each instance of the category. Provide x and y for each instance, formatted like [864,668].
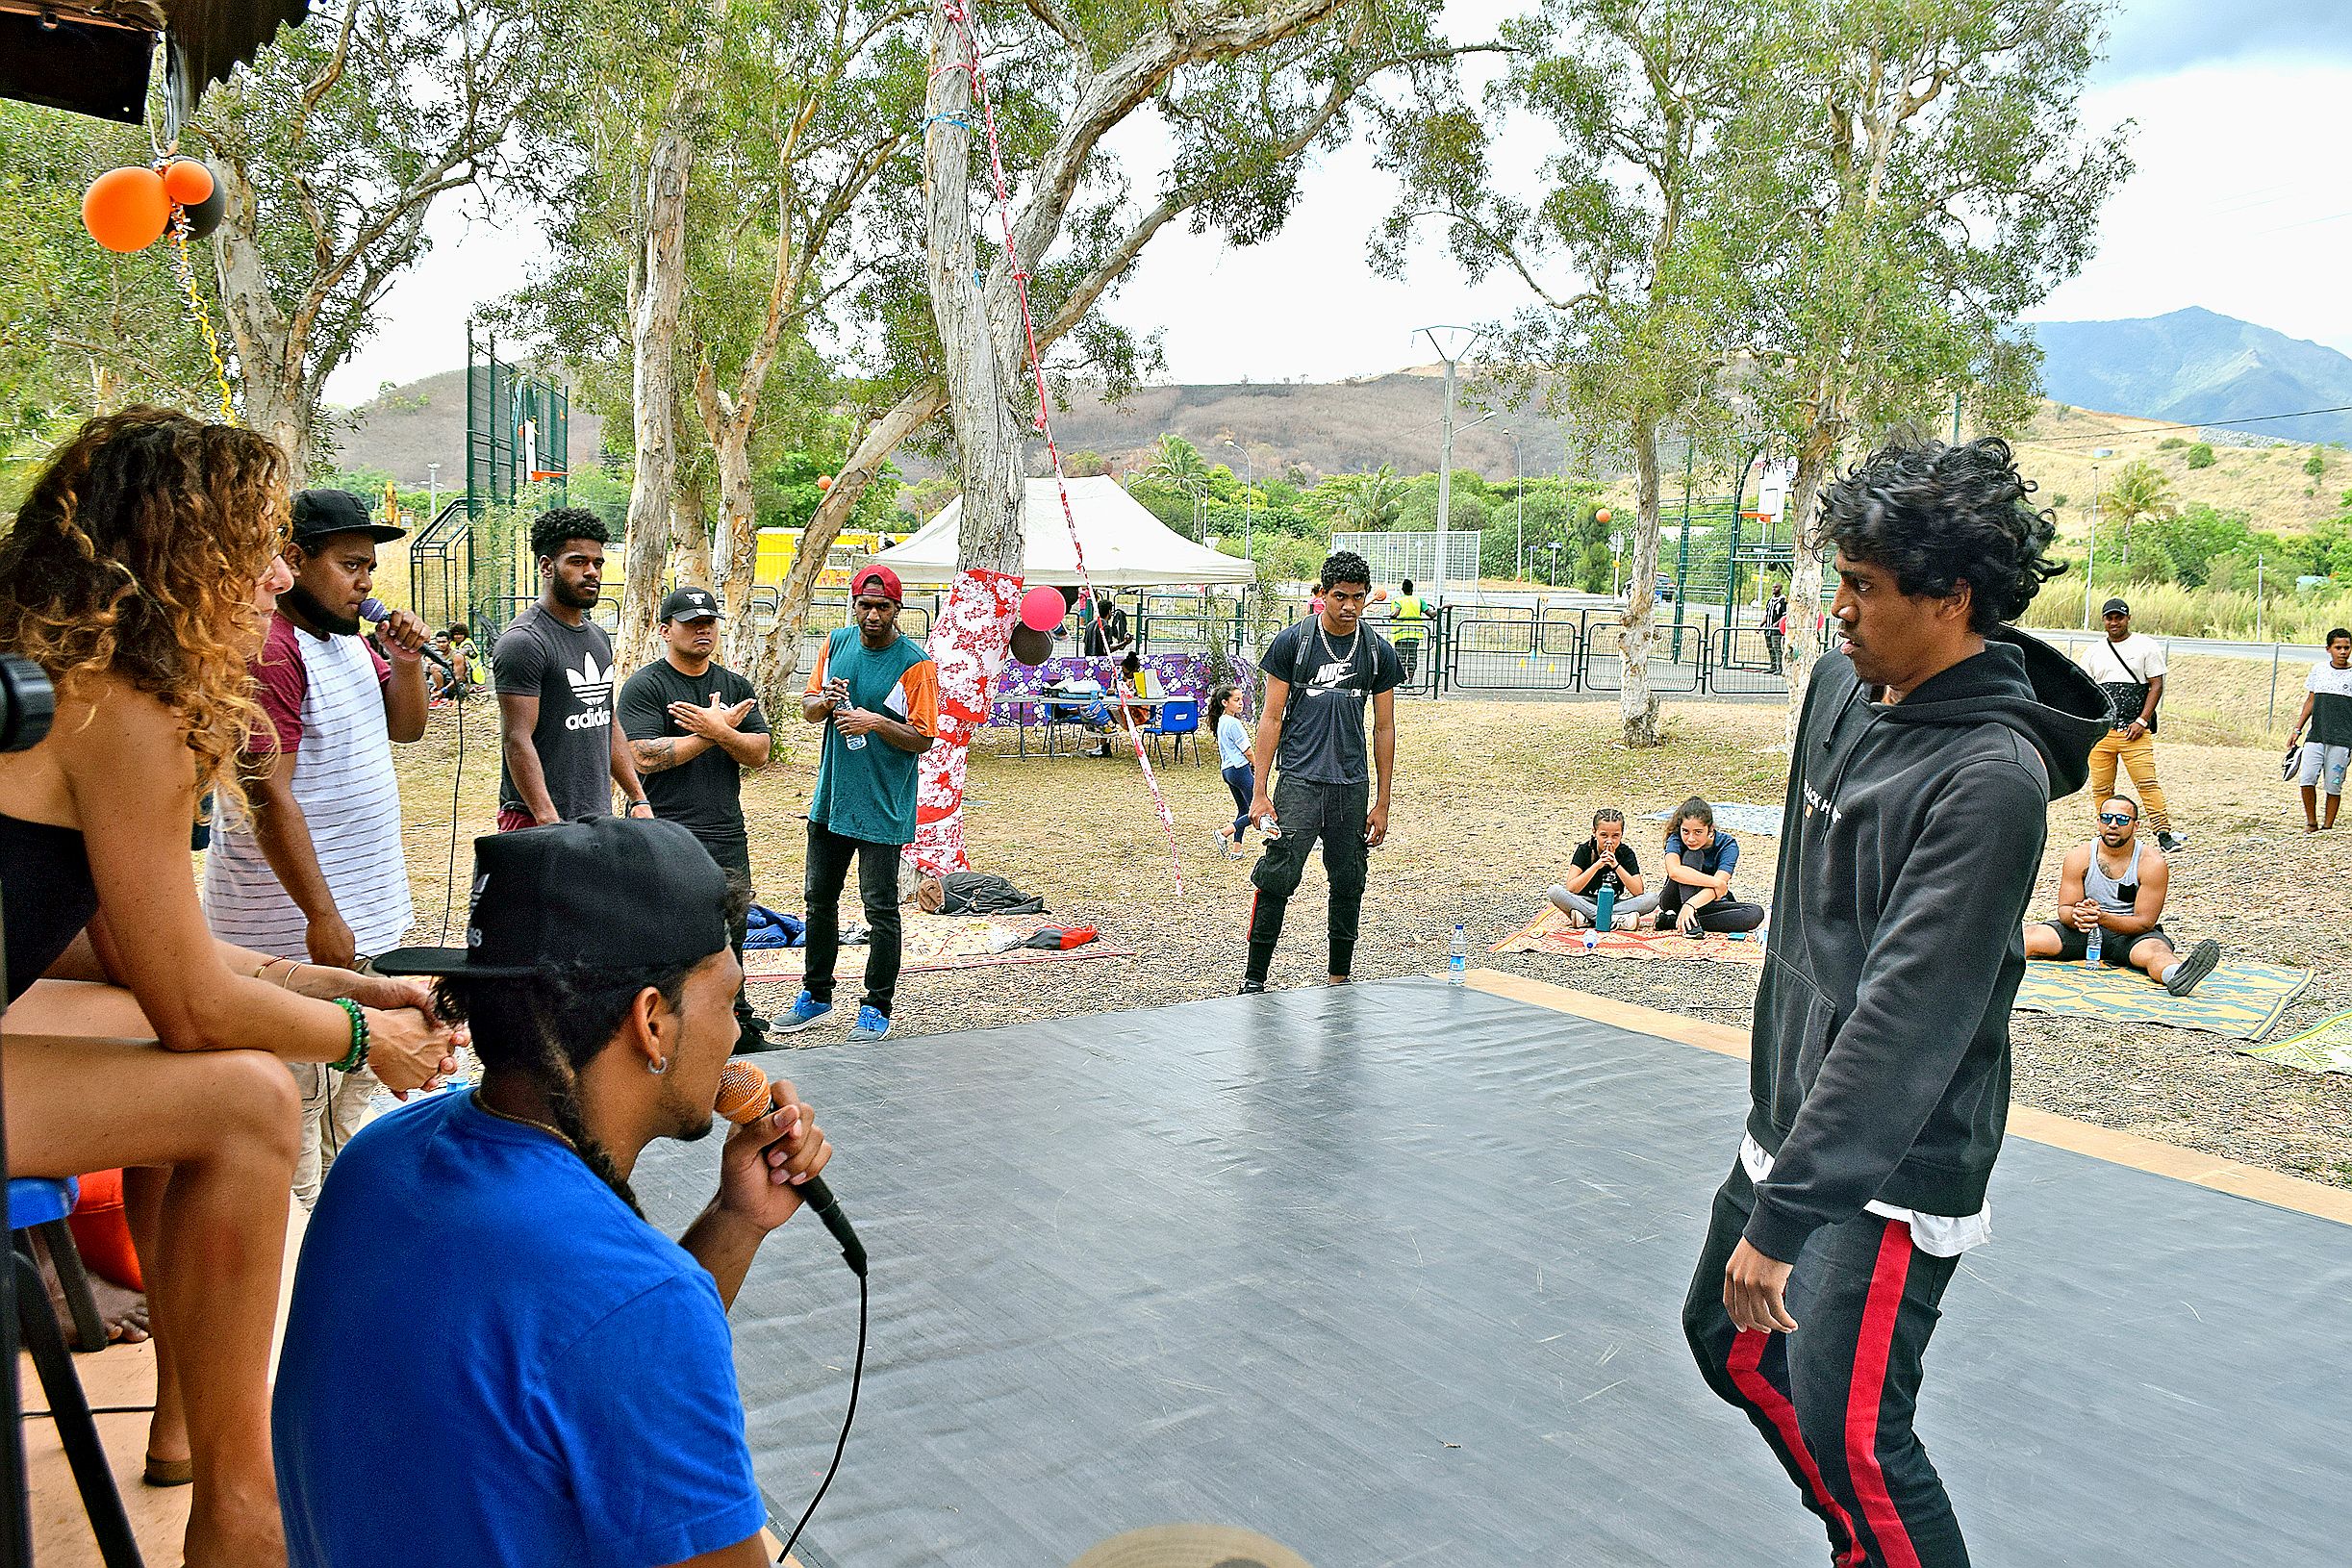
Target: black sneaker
[2195,967]
[1250,988]
[2171,843]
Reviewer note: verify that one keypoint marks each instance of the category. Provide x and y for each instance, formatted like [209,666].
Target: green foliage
[1360,502]
[788,494]
[2172,443]
[2317,465]
[2200,456]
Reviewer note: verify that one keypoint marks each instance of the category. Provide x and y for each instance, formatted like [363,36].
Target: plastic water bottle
[2090,946]
[1457,958]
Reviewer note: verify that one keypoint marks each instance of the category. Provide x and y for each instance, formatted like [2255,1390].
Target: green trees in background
[2200,456]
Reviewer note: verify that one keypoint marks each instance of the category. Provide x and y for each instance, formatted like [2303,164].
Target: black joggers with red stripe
[1835,1399]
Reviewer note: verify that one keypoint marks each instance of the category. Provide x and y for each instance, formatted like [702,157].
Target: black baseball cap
[2115,607]
[690,604]
[607,892]
[322,514]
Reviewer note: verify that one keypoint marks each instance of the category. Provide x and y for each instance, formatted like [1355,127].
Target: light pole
[1519,493]
[1463,339]
[432,479]
[1554,548]
[1248,499]
[2090,563]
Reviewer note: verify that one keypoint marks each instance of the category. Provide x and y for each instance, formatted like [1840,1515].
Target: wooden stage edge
[2127,1149]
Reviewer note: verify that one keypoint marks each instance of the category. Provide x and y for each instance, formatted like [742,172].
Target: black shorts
[2113,950]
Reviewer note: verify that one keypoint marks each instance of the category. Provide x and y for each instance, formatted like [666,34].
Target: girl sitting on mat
[1697,897]
[1233,739]
[1604,861]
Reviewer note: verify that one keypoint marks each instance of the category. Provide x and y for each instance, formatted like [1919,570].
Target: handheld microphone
[374,612]
[742,1097]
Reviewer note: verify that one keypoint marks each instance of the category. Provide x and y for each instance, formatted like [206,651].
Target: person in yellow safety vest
[1411,612]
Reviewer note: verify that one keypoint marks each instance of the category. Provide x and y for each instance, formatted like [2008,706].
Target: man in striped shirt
[315,869]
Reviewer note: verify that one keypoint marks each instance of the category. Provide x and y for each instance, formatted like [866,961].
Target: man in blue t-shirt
[1320,675]
[478,1293]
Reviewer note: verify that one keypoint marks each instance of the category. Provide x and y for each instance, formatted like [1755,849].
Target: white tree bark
[653,332]
[1636,702]
[987,439]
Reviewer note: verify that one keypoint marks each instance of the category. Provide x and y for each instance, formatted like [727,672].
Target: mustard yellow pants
[2139,760]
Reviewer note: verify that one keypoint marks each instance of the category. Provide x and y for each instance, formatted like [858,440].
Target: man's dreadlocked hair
[547,1027]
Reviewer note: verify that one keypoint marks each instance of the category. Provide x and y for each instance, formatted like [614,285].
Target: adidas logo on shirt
[592,686]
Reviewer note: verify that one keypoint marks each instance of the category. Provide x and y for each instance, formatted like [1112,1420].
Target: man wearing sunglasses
[2112,884]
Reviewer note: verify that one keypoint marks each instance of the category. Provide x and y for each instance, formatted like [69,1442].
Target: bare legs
[223,1124]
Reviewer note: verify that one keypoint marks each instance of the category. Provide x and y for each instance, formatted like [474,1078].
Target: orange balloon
[824,481]
[186,182]
[126,208]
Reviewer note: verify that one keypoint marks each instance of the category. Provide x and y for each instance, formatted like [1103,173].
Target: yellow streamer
[204,322]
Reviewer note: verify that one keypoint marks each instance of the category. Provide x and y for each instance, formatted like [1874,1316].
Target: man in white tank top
[315,869]
[2115,884]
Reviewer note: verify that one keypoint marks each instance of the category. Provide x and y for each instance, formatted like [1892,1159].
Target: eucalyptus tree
[1917,178]
[1632,207]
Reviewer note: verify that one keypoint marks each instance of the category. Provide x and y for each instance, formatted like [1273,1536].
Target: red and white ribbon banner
[967,643]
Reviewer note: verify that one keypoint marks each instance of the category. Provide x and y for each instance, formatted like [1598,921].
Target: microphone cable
[857,1372]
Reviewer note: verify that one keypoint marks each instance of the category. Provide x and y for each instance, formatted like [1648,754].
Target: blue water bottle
[1457,958]
[2090,946]
[1605,907]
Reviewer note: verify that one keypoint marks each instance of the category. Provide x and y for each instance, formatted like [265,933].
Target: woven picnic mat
[2241,999]
[2324,1048]
[932,943]
[1548,932]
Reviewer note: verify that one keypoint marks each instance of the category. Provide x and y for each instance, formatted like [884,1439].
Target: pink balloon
[1041,608]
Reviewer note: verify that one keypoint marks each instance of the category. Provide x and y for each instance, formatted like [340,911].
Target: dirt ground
[1490,800]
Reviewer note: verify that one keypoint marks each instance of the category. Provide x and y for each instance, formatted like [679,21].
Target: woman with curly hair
[139,575]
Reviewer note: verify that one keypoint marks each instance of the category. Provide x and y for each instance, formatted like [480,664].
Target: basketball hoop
[540,474]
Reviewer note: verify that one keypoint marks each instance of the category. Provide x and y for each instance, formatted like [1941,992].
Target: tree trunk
[653,331]
[987,441]
[1638,704]
[777,662]
[278,400]
[1803,644]
[728,425]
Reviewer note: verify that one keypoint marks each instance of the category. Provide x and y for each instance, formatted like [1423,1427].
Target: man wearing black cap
[562,753]
[577,1359]
[694,727]
[316,870]
[2130,668]
[877,693]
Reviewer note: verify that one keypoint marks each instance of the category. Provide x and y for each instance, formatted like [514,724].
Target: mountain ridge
[2198,366]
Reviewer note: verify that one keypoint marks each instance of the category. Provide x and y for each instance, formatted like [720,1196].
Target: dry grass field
[1490,800]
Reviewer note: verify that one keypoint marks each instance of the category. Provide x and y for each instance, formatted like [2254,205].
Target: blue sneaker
[806,1010]
[870,1025]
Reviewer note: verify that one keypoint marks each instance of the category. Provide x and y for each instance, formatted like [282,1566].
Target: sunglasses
[2116,819]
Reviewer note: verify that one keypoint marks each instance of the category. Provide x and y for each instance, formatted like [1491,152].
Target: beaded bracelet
[357,1057]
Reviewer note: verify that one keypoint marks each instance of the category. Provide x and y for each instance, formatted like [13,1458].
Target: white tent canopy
[1125,546]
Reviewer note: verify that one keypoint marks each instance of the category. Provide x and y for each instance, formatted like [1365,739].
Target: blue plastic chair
[38,1205]
[1177,721]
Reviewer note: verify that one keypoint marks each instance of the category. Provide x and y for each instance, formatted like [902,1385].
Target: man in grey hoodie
[1932,739]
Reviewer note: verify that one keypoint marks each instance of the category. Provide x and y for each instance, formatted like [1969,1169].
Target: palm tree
[2139,494]
[1180,466]
[1366,502]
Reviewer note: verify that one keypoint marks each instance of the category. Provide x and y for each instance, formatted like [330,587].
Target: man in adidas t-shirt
[561,753]
[2327,707]
[1319,675]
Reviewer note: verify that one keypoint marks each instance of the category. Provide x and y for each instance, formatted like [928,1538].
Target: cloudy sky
[2242,204]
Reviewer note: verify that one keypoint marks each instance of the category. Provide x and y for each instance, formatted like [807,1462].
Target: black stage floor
[1392,1275]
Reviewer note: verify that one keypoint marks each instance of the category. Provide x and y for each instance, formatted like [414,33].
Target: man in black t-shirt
[1320,673]
[1106,629]
[560,755]
[694,727]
